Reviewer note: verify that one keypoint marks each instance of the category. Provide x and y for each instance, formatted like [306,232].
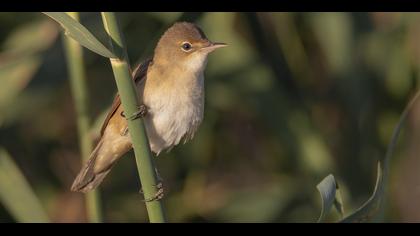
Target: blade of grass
[373,205]
[74,55]
[79,33]
[329,191]
[128,95]
[16,194]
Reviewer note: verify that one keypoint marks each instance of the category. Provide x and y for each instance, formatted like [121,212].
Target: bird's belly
[167,125]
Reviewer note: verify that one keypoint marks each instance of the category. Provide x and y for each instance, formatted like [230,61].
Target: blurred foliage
[16,194]
[295,97]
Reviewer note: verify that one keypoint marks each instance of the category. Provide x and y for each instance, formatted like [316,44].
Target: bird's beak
[213,46]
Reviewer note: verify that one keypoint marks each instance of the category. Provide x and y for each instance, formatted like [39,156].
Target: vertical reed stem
[129,101]
[75,64]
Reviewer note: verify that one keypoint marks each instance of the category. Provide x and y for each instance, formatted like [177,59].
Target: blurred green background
[295,97]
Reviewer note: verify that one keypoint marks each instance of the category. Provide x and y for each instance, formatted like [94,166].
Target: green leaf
[338,201]
[371,206]
[79,33]
[328,189]
[16,194]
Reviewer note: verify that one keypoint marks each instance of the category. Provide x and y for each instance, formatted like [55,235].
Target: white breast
[174,114]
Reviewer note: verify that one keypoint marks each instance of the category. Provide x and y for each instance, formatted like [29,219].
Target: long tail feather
[87,179]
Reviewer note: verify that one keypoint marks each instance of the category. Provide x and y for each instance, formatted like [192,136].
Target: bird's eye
[186,46]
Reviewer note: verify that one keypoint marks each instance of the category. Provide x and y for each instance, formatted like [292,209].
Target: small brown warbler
[171,90]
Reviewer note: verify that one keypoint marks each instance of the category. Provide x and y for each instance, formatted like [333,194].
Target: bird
[170,88]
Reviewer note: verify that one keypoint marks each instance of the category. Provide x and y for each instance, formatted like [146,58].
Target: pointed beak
[213,46]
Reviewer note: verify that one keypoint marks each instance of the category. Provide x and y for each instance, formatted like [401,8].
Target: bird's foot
[159,186]
[158,195]
[140,113]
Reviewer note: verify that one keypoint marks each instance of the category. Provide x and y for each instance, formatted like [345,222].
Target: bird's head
[184,45]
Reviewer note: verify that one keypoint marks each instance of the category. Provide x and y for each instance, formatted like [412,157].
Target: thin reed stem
[128,95]
[74,54]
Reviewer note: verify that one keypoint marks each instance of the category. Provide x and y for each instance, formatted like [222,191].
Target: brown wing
[138,75]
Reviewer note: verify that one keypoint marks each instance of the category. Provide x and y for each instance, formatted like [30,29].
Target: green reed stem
[74,54]
[128,95]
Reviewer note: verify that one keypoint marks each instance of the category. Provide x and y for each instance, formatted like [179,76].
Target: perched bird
[170,87]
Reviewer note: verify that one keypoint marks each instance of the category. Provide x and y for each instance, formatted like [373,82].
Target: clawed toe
[140,113]
[158,195]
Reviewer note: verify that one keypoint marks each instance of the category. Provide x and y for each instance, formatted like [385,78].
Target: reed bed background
[294,98]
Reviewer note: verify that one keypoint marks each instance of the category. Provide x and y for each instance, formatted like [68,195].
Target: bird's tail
[87,179]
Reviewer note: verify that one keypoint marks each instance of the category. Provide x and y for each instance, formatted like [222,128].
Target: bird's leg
[159,178]
[160,191]
[140,113]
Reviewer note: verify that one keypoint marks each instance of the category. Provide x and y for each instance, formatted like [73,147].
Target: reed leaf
[79,33]
[373,205]
[16,194]
[329,191]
